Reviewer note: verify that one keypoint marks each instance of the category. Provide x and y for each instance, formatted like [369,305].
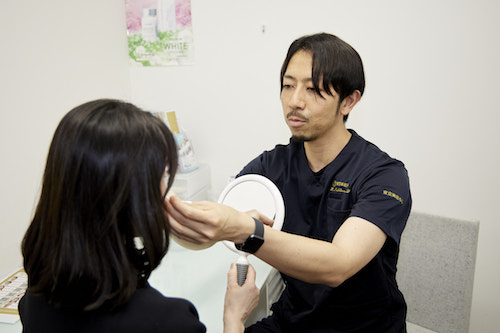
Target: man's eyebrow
[291,77]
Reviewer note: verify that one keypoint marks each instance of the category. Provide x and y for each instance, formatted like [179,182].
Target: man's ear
[349,102]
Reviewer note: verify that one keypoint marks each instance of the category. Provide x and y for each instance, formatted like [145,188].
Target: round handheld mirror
[250,192]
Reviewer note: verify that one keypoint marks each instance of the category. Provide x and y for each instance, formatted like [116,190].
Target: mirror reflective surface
[250,195]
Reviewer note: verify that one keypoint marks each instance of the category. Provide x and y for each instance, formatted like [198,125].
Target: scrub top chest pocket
[339,204]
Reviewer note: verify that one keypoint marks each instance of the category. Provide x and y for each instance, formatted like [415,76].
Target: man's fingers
[268,222]
[182,231]
[178,208]
[184,237]
[258,215]
[181,225]
[195,211]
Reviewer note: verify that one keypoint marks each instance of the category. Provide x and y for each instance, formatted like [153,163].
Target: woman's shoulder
[170,312]
[149,296]
[147,311]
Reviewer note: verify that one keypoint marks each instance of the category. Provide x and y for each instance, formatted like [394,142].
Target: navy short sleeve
[254,167]
[384,199]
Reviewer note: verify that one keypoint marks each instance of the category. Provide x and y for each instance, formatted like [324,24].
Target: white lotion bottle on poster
[149,25]
[166,15]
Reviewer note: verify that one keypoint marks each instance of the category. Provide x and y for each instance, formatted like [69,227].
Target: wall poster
[159,32]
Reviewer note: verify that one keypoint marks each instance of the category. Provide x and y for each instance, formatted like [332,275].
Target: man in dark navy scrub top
[347,203]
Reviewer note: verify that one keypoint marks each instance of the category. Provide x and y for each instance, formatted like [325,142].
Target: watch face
[251,245]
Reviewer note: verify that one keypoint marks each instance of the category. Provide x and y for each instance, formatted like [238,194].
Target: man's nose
[297,100]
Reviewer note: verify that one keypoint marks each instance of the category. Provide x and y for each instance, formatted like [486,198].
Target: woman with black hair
[100,228]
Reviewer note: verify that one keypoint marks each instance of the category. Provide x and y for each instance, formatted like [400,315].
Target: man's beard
[303,138]
[298,137]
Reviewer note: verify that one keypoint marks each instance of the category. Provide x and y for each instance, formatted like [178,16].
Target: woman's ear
[349,102]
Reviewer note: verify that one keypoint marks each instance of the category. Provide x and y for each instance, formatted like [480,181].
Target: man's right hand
[204,221]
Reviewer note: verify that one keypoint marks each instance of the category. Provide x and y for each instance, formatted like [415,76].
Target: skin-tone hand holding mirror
[246,193]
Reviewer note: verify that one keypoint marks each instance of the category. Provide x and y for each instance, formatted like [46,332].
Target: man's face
[308,115]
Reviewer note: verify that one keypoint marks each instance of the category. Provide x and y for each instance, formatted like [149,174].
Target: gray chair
[436,272]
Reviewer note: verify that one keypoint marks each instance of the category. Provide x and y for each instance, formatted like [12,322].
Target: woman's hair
[334,62]
[100,193]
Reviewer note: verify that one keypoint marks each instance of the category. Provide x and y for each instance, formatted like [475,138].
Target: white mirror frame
[273,190]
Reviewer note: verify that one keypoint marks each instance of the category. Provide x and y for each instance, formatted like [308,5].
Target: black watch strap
[259,228]
[255,240]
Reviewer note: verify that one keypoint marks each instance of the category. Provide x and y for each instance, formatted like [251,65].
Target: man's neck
[323,151]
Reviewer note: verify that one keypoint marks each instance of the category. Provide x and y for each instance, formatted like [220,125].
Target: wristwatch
[255,240]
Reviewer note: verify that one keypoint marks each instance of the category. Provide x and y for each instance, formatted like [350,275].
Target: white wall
[430,100]
[54,56]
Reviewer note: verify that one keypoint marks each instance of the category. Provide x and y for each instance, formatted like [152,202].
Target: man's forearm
[303,258]
[316,261]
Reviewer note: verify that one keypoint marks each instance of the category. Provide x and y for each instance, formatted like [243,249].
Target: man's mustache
[295,114]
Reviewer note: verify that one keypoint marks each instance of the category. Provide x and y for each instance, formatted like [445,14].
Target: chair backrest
[436,271]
